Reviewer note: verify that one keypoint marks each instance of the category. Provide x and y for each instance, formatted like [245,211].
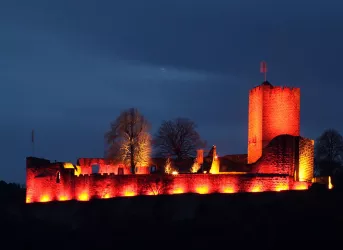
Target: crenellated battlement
[274,88]
[279,90]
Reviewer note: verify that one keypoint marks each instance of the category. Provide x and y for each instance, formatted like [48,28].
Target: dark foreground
[267,220]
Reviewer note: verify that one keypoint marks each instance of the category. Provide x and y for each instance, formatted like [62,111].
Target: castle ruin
[278,159]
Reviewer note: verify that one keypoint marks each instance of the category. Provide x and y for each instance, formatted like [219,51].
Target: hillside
[183,221]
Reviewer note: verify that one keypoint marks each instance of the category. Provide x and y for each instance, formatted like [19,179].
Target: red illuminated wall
[108,186]
[279,157]
[281,112]
[273,111]
[41,181]
[106,166]
[42,185]
[304,172]
[255,124]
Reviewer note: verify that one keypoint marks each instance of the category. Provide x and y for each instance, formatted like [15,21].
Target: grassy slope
[181,221]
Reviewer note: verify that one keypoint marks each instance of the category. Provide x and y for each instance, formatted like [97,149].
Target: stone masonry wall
[273,111]
[279,157]
[306,160]
[281,112]
[255,124]
[86,187]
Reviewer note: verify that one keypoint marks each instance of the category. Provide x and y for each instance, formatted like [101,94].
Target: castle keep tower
[273,111]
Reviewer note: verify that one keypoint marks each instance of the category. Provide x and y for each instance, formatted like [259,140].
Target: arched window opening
[58,177]
[153,169]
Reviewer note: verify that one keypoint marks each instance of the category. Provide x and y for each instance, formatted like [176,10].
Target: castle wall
[85,187]
[279,157]
[255,124]
[107,166]
[273,111]
[281,112]
[306,160]
[49,183]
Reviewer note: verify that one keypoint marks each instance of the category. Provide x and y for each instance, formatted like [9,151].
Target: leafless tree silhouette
[328,152]
[177,138]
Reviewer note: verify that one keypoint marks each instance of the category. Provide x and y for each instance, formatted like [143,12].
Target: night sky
[68,68]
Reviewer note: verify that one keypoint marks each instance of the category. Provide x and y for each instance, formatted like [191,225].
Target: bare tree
[129,140]
[157,184]
[328,152]
[177,138]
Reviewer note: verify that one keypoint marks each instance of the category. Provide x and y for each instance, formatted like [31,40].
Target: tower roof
[266,83]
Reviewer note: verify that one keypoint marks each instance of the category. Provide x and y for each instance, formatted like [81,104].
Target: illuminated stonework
[255,124]
[215,167]
[95,186]
[306,162]
[278,159]
[273,111]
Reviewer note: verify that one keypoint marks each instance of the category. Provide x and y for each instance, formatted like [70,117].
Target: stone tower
[273,111]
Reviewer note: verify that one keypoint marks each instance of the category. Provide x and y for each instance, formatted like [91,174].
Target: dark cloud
[67,68]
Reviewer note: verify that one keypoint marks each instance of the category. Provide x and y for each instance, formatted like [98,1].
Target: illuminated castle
[278,159]
[273,111]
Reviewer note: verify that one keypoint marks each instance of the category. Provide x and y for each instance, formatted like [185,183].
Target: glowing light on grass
[63,198]
[281,187]
[256,188]
[202,189]
[178,190]
[83,197]
[106,196]
[45,198]
[228,190]
[129,193]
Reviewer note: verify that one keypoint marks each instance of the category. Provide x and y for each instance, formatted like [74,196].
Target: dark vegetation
[187,221]
[328,153]
[11,192]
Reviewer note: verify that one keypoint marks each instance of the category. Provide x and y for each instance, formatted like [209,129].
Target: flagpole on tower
[264,69]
